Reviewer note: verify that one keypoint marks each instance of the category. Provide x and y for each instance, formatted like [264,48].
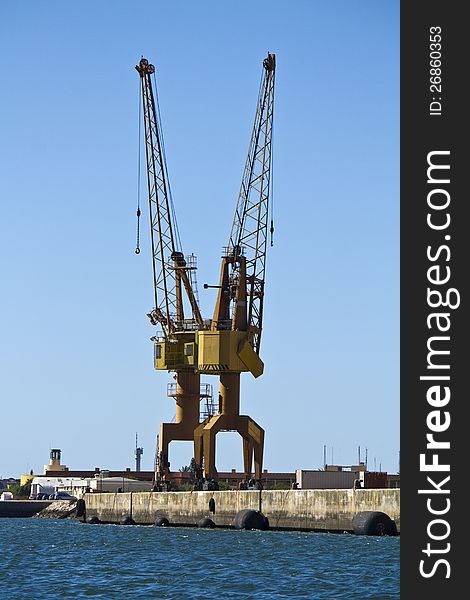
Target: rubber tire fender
[93,520]
[206,522]
[250,519]
[371,522]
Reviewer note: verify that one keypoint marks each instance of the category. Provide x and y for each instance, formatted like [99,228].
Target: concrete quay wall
[22,508]
[327,510]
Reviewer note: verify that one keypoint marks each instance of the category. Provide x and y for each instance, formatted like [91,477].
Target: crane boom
[232,344]
[250,224]
[176,350]
[166,290]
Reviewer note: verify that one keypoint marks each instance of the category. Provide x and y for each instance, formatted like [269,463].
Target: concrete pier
[22,508]
[311,510]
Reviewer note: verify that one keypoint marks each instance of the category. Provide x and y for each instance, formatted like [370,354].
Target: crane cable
[271,168]
[139,144]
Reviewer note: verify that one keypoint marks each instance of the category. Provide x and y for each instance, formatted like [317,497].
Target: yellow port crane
[232,344]
[175,344]
[229,343]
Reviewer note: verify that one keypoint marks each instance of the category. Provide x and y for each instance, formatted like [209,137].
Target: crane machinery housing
[229,343]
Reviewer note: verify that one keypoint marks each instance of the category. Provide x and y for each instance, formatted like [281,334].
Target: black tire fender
[93,520]
[206,522]
[371,522]
[250,519]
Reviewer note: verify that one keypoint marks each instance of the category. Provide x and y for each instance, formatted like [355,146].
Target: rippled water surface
[66,559]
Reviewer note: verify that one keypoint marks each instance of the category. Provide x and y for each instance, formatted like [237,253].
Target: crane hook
[137,247]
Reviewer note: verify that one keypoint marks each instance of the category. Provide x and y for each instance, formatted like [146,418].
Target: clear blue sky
[76,360]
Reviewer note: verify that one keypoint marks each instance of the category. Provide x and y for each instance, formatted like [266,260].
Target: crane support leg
[253,443]
[229,419]
[258,449]
[198,444]
[187,397]
[247,455]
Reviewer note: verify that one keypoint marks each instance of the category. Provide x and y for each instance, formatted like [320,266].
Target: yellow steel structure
[233,342]
[227,351]
[176,354]
[228,344]
[208,353]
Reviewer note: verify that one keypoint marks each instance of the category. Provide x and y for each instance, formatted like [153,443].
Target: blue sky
[76,360]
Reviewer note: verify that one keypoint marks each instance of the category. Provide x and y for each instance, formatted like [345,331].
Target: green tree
[20,491]
[191,468]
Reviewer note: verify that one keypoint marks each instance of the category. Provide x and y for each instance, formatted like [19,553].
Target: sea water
[42,558]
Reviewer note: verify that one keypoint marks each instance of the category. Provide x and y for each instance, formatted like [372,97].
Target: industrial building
[342,476]
[58,477]
[77,486]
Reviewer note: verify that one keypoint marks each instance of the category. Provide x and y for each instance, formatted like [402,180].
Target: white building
[77,486]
